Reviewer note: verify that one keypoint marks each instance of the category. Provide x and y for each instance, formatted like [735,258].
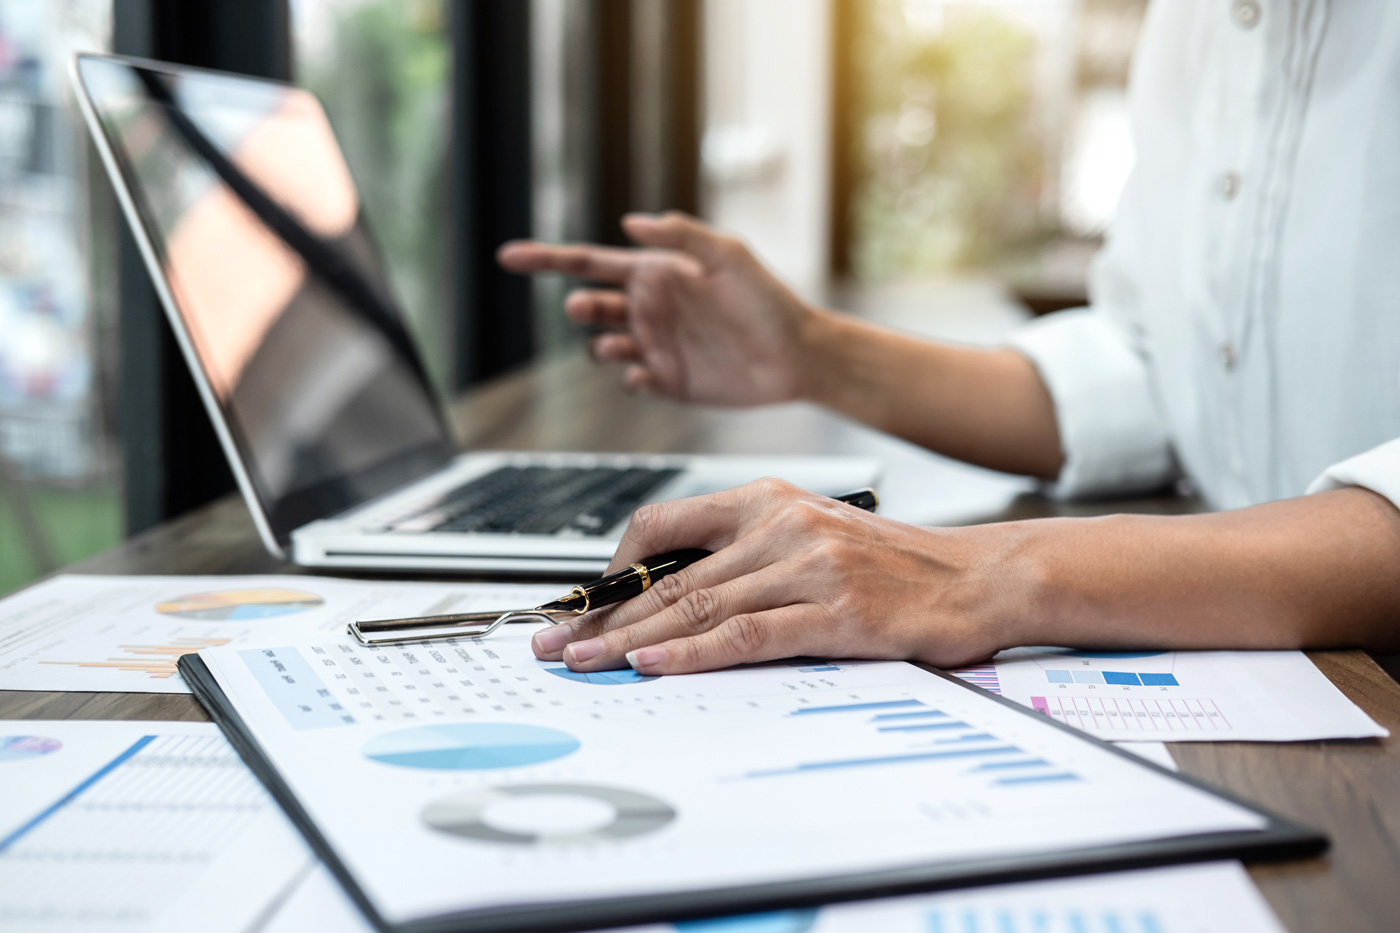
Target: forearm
[1317,571]
[987,407]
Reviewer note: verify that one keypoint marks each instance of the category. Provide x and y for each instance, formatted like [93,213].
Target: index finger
[599,263]
[708,522]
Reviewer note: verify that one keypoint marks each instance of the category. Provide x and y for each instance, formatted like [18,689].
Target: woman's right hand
[694,315]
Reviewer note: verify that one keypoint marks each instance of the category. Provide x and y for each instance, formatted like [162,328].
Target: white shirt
[1244,326]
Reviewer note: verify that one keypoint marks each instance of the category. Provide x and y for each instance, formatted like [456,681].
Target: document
[1216,897]
[1211,898]
[482,763]
[125,634]
[1178,696]
[137,825]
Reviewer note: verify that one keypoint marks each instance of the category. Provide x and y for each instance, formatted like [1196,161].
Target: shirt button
[1229,185]
[1246,13]
[1228,355]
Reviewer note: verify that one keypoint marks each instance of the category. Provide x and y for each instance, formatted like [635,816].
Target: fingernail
[582,651]
[552,639]
[649,656]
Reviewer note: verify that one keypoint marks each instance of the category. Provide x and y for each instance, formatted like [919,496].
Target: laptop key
[539,500]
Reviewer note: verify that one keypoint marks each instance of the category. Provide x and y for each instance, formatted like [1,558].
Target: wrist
[821,359]
[1016,591]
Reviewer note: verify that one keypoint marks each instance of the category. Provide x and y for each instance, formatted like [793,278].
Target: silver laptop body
[251,228]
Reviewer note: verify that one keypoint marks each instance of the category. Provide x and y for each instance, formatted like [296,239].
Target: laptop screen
[260,236]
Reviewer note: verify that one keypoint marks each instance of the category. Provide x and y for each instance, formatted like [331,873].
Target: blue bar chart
[922,734]
[1122,678]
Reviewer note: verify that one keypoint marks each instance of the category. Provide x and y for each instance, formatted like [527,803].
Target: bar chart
[980,675]
[128,838]
[154,661]
[1120,678]
[919,733]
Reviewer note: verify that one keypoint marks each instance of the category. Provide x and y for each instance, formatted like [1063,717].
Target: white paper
[125,633]
[136,825]
[1178,696]
[481,762]
[1216,897]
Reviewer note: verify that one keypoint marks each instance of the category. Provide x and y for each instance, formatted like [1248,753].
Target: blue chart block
[923,714]
[1127,678]
[1159,680]
[926,726]
[1059,677]
[1149,923]
[1003,765]
[295,688]
[1038,779]
[815,670]
[610,678]
[1088,677]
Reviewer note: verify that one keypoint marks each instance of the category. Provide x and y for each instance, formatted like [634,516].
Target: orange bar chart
[155,661]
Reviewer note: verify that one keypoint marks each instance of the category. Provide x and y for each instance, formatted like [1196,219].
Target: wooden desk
[1350,789]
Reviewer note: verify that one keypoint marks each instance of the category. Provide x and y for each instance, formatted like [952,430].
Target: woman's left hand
[796,574]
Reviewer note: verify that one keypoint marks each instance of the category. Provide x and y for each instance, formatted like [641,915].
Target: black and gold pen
[632,580]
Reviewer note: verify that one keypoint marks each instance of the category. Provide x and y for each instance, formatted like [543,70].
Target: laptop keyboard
[540,500]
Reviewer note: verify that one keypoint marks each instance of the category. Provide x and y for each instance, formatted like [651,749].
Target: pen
[632,580]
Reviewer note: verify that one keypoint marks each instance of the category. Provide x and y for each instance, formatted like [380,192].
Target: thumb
[679,231]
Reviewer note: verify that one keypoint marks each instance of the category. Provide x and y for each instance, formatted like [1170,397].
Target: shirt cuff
[1378,470]
[1112,433]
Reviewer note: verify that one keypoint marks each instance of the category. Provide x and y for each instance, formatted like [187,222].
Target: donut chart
[469,815]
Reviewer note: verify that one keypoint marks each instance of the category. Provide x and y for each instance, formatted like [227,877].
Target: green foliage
[77,523]
[952,165]
[385,82]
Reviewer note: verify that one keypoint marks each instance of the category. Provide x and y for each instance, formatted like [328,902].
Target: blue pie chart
[607,678]
[782,921]
[477,746]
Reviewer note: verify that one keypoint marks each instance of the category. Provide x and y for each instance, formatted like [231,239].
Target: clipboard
[1279,838]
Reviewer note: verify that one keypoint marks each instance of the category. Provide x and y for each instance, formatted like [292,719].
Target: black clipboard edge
[1281,838]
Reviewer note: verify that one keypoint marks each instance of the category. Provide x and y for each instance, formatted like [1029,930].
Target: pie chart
[22,747]
[476,746]
[607,678]
[234,605]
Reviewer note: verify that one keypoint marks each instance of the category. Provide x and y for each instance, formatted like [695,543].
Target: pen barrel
[865,499]
[630,581]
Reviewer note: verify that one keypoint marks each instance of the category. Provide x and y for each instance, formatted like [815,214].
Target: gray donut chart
[462,815]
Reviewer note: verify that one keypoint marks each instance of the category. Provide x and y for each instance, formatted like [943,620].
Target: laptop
[252,230]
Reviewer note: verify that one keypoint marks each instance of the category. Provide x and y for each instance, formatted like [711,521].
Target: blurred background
[938,164]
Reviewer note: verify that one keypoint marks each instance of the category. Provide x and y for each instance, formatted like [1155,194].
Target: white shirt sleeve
[1112,432]
[1378,470]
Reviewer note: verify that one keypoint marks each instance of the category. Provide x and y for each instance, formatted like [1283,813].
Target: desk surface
[1349,789]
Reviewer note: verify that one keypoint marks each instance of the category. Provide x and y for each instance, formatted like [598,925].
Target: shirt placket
[1231,188]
